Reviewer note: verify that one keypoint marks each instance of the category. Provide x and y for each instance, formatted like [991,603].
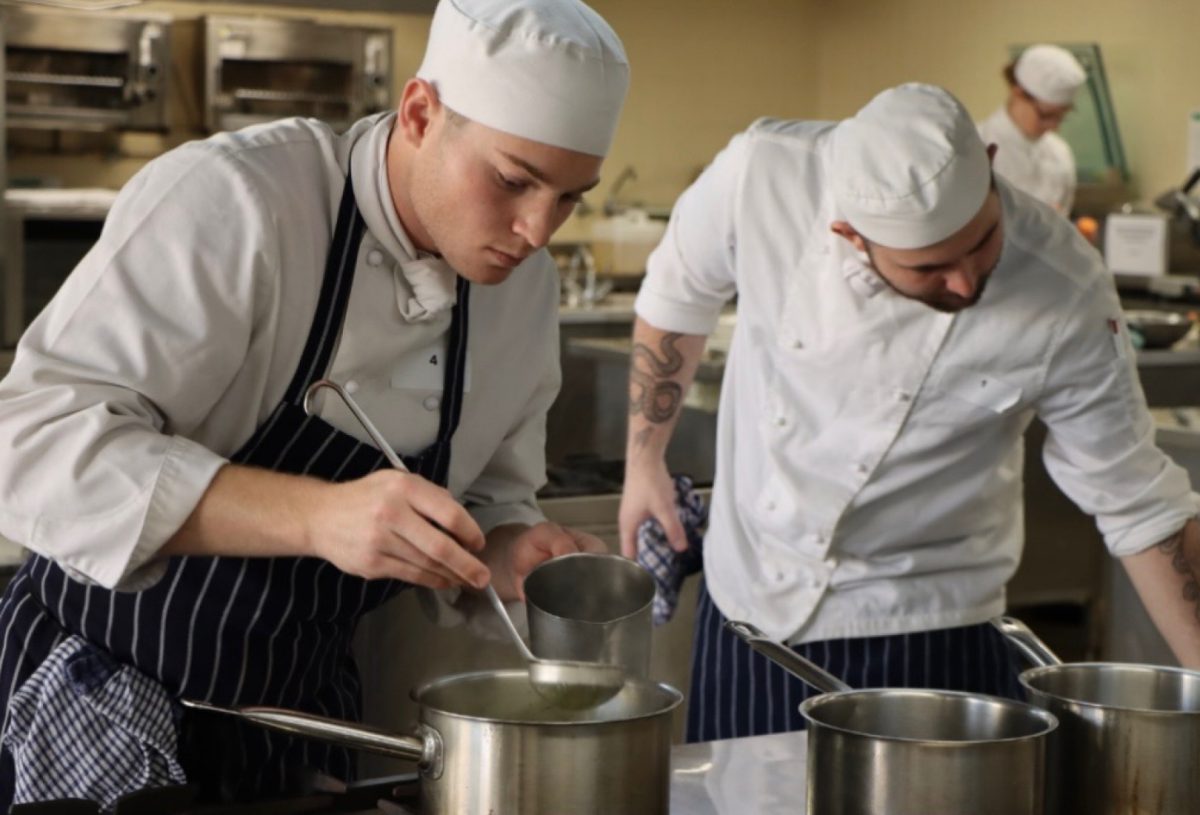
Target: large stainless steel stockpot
[487,743]
[898,751]
[1128,741]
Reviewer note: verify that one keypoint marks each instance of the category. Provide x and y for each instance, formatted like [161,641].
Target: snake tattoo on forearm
[652,393]
[1173,547]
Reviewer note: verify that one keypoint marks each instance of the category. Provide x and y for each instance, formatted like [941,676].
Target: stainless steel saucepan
[1129,735]
[488,742]
[899,751]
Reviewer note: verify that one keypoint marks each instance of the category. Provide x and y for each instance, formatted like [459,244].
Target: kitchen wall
[704,69]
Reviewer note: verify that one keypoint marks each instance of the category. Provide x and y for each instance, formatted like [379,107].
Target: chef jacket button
[863,469]
[374,257]
[780,577]
[781,421]
[797,344]
[904,396]
[770,506]
[432,403]
[352,386]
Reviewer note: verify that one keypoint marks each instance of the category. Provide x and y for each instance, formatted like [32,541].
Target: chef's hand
[392,524]
[515,550]
[649,493]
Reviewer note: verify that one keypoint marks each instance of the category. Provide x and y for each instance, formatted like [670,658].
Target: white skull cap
[909,169]
[1049,73]
[551,71]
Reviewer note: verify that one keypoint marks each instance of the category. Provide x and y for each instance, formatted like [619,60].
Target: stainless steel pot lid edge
[1048,719]
[674,695]
[1067,667]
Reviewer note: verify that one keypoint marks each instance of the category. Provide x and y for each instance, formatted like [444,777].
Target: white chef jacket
[178,333]
[869,448]
[1044,168]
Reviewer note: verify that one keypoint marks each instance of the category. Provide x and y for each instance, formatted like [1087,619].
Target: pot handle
[786,658]
[1027,642]
[425,751]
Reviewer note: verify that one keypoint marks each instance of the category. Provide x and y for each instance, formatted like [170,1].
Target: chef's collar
[424,283]
[857,269]
[1011,129]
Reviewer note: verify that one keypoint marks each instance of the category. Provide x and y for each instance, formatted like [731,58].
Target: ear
[846,231]
[418,109]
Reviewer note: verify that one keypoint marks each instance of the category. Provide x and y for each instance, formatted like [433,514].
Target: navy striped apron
[737,692]
[244,631]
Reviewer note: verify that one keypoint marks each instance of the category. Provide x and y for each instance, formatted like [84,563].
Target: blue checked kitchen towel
[86,726]
[666,566]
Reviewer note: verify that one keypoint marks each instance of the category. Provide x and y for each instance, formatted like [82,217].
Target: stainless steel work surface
[762,774]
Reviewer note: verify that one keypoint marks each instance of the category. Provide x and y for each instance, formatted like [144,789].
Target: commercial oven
[259,69]
[86,71]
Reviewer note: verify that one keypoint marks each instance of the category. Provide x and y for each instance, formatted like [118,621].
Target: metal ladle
[564,683]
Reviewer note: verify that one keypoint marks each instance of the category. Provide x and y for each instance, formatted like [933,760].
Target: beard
[944,301]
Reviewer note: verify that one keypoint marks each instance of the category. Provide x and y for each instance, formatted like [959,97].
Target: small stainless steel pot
[1129,735]
[591,608]
[897,751]
[487,743]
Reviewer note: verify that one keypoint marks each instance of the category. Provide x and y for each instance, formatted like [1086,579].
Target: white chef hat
[552,71]
[909,169]
[1049,73]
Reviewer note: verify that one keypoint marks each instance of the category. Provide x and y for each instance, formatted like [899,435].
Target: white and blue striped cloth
[86,726]
[665,565]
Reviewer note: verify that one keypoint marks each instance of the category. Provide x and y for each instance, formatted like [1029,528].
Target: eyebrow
[541,176]
[933,267]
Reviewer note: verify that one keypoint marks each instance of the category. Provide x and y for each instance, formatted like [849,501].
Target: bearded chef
[1042,83]
[903,316]
[193,533]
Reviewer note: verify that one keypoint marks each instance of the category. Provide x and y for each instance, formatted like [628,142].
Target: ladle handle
[1027,642]
[398,463]
[363,419]
[346,734]
[786,658]
[498,605]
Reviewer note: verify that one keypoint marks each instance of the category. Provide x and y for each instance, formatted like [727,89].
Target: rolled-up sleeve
[142,339]
[1100,447]
[690,274]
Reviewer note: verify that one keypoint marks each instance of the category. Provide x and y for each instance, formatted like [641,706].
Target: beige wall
[1149,48]
[704,69]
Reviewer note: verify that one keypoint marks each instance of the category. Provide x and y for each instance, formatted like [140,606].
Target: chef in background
[193,532]
[1042,83]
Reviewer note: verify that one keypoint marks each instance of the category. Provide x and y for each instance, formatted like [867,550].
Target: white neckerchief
[424,283]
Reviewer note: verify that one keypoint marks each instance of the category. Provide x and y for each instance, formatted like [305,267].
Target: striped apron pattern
[737,692]
[244,631]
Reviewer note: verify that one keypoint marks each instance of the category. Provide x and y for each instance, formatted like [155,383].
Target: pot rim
[676,699]
[1048,719]
[640,610]
[1123,666]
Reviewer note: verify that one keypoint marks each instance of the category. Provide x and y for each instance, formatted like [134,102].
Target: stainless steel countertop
[764,775]
[615,308]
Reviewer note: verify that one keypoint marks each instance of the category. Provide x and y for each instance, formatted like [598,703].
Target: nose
[963,282]
[535,224]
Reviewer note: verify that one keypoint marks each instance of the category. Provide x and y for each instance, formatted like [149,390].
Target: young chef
[194,533]
[903,315]
[1031,156]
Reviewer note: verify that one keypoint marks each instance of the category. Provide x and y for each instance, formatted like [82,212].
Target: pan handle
[1027,642]
[786,658]
[425,751]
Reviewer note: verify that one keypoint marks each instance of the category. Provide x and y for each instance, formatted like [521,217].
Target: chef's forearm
[661,371]
[250,512]
[1167,577]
